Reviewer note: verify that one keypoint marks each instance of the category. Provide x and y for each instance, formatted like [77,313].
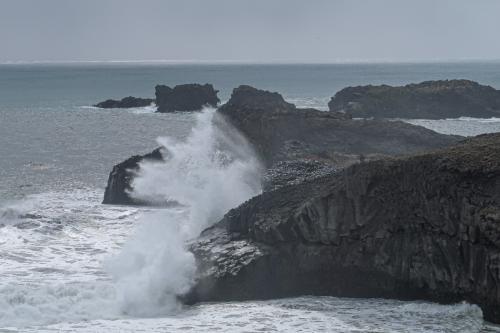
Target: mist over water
[214,170]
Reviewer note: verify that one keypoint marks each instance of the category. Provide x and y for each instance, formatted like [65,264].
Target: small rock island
[184,97]
[427,100]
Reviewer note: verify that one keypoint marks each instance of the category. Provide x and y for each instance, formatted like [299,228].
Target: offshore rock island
[426,100]
[183,97]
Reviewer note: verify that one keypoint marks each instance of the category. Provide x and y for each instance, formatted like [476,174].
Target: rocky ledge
[420,227]
[426,100]
[185,97]
[127,102]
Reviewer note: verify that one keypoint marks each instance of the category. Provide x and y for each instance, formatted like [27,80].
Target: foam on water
[71,264]
[139,110]
[465,126]
[55,244]
[304,314]
[211,172]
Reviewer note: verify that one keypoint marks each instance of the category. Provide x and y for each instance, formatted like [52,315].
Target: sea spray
[214,170]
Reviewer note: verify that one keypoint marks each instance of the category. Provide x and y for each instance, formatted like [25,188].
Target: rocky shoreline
[420,227]
[354,208]
[296,143]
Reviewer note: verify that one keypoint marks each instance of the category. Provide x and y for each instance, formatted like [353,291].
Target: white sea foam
[53,246]
[465,126]
[211,172]
[139,110]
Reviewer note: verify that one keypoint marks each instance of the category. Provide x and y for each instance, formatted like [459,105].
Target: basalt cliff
[425,226]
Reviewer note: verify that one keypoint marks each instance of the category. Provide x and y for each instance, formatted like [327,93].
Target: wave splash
[214,170]
[60,262]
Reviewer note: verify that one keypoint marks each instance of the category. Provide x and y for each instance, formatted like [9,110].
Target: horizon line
[251,62]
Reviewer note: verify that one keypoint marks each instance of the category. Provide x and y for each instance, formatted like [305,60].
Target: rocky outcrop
[185,97]
[281,132]
[420,227]
[120,179]
[299,144]
[127,102]
[426,100]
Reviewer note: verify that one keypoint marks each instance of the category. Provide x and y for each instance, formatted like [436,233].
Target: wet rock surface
[185,97]
[280,131]
[426,100]
[425,226]
[120,179]
[127,102]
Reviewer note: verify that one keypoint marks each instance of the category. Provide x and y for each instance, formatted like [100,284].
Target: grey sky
[253,30]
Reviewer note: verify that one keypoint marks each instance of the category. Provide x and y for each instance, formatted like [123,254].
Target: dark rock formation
[420,227]
[280,131]
[426,100]
[185,97]
[120,178]
[294,172]
[298,144]
[127,102]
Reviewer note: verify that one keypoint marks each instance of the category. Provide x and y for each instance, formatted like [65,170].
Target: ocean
[71,264]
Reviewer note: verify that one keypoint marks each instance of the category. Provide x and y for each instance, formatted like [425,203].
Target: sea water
[71,264]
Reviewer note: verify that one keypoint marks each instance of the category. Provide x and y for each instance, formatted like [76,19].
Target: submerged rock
[185,97]
[127,102]
[420,227]
[120,179]
[426,100]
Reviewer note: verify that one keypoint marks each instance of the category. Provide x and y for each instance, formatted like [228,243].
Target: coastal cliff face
[421,227]
[426,100]
[185,97]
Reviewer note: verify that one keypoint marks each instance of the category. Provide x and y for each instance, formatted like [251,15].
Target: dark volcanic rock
[185,97]
[294,172]
[280,131]
[127,102]
[427,100]
[419,227]
[120,178]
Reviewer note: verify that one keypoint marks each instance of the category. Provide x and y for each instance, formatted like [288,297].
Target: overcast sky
[249,31]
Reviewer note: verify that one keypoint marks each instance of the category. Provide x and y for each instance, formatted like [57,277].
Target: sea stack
[185,97]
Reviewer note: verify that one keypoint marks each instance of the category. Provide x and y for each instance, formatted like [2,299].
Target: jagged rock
[120,179]
[420,227]
[127,102]
[185,97]
[426,100]
[280,131]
